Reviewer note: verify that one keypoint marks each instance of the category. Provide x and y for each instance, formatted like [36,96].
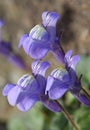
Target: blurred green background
[20,16]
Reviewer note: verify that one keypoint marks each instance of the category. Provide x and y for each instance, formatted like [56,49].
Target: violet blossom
[62,80]
[30,89]
[42,38]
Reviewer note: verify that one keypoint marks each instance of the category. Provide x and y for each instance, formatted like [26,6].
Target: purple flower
[30,89]
[37,43]
[62,80]
[58,83]
[42,38]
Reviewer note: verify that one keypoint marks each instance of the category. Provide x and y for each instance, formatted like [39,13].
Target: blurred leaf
[32,120]
[82,118]
[58,122]
[15,124]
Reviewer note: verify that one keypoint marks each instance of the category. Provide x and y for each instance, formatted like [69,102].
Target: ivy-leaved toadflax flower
[30,89]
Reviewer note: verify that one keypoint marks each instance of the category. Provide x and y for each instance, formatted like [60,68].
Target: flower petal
[7,89]
[13,95]
[71,61]
[50,81]
[39,42]
[36,44]
[50,18]
[68,55]
[82,97]
[37,51]
[40,67]
[57,76]
[60,74]
[50,104]
[58,89]
[72,74]
[42,83]
[32,89]
[25,81]
[74,60]
[23,38]
[39,33]
[26,45]
[27,103]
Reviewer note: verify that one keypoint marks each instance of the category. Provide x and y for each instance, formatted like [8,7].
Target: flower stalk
[67,115]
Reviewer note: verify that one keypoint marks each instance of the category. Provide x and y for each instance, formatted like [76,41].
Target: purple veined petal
[23,38]
[34,65]
[50,18]
[40,67]
[39,33]
[22,79]
[37,51]
[74,60]
[68,55]
[58,75]
[32,88]
[61,74]
[82,97]
[37,44]
[58,89]
[13,95]
[50,104]
[7,89]
[42,83]
[28,84]
[27,103]
[25,42]
[50,81]
[26,45]
[44,14]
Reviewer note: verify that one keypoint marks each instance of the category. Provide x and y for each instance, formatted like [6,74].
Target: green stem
[67,115]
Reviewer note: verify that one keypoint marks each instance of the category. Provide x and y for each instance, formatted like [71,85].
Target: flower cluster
[36,87]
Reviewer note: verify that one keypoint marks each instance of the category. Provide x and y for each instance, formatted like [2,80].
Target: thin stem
[67,115]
